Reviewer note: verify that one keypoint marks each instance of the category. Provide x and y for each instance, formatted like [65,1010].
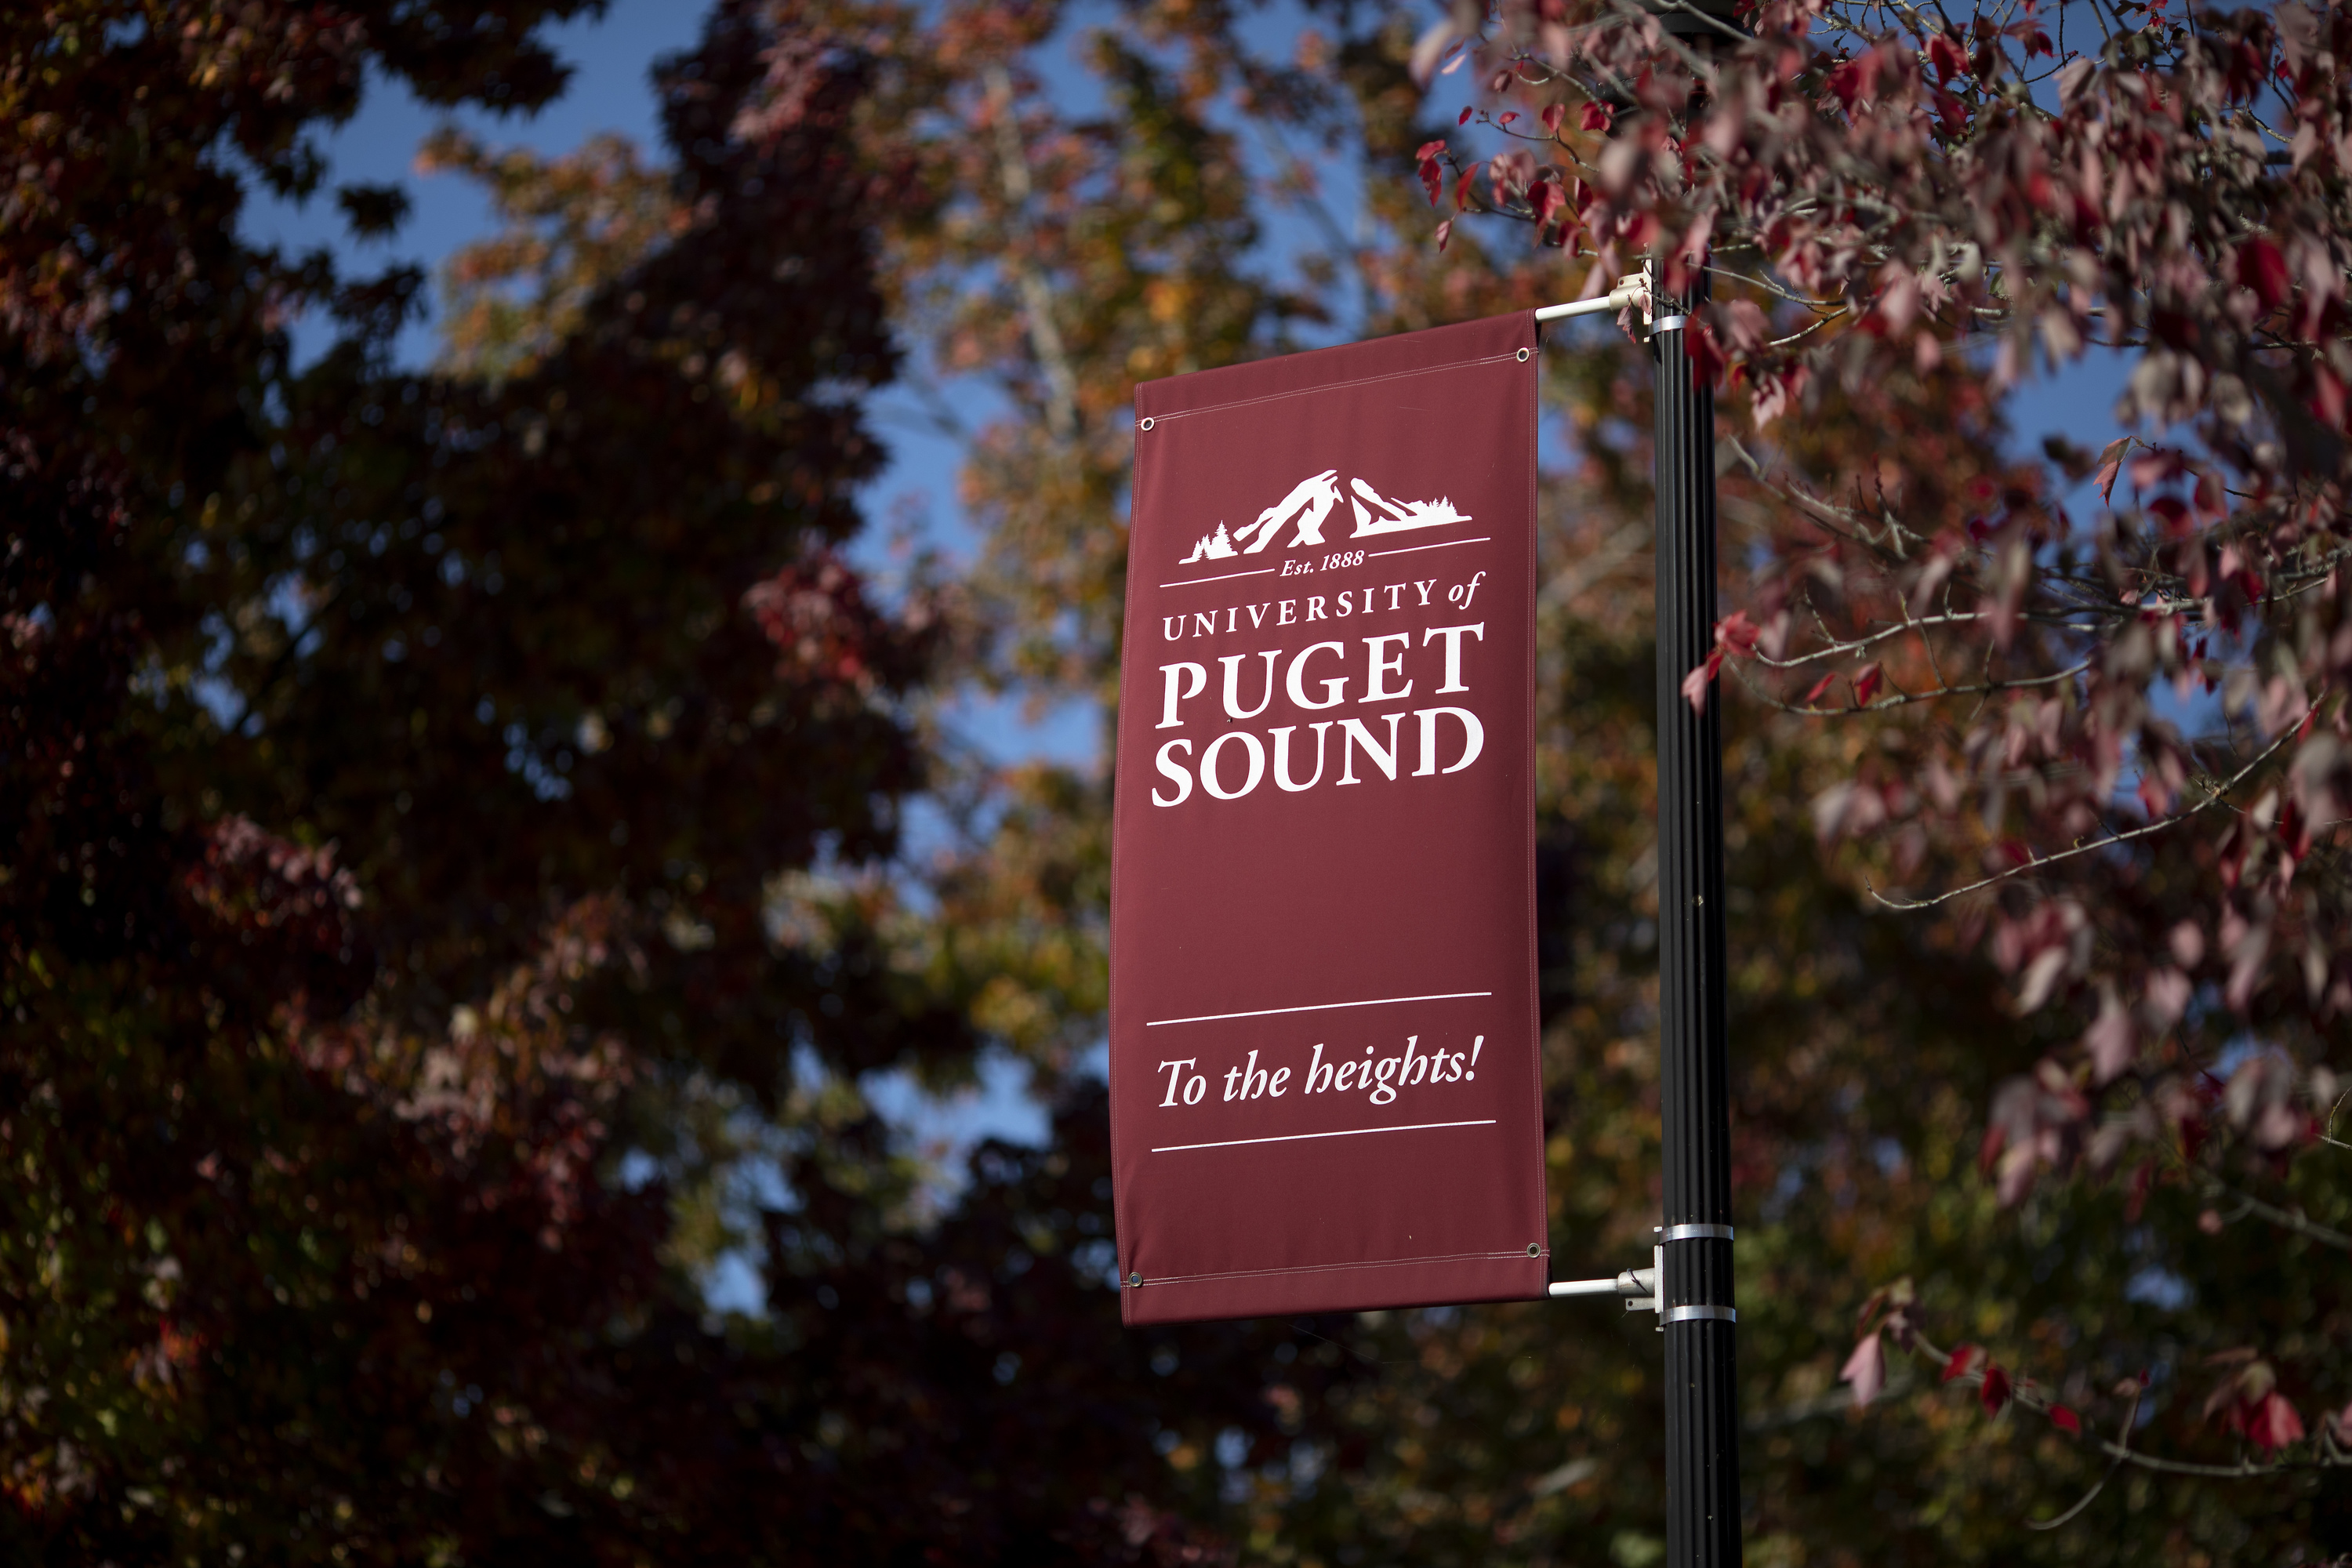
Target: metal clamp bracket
[1644,1289]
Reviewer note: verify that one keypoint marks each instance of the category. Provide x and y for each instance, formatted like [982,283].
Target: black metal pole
[1694,1076]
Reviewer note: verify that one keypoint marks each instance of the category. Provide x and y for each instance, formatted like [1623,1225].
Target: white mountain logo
[1309,504]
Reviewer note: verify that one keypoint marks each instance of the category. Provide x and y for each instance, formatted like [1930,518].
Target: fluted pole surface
[1702,1396]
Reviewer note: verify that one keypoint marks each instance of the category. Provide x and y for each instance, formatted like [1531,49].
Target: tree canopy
[464,887]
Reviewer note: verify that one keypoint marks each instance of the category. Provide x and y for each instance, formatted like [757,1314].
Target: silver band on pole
[1670,323]
[1699,1232]
[1701,1314]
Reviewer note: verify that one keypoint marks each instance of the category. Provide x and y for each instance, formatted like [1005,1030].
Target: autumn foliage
[462,893]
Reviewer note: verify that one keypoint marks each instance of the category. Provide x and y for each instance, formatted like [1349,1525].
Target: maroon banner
[1325,1090]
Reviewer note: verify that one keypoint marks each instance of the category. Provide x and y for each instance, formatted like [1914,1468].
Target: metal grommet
[1535,1249]
[1135,1280]
[1523,357]
[1146,422]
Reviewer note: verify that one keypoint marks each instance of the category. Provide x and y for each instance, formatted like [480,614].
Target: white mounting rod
[1633,1282]
[1630,291]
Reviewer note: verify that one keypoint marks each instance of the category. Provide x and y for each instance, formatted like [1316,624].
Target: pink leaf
[1430,149]
[1866,1370]
[1595,117]
[2111,462]
[1824,684]
[1695,683]
[2111,1039]
[2274,1423]
[1444,232]
[1553,116]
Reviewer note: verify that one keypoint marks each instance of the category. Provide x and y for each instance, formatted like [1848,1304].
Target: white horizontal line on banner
[1317,1007]
[1299,1137]
[1190,582]
[1483,539]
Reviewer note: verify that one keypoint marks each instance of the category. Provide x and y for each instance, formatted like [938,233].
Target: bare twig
[2328,1127]
[2286,1219]
[2101,1485]
[1903,699]
[1605,558]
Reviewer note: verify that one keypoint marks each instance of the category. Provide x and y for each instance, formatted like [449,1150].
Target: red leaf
[1820,686]
[2327,396]
[1507,119]
[1944,55]
[2262,268]
[1865,684]
[1866,1370]
[1737,633]
[2274,1423]
[2066,1420]
[1553,116]
[1432,179]
[1995,1392]
[1444,232]
[1962,1358]
[1596,117]
[1429,150]
[1465,116]
[1548,199]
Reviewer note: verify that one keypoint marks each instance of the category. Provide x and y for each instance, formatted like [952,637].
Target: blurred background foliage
[481,836]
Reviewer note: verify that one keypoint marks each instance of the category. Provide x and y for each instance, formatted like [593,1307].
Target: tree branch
[2211,801]
[2025,1392]
[1036,298]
